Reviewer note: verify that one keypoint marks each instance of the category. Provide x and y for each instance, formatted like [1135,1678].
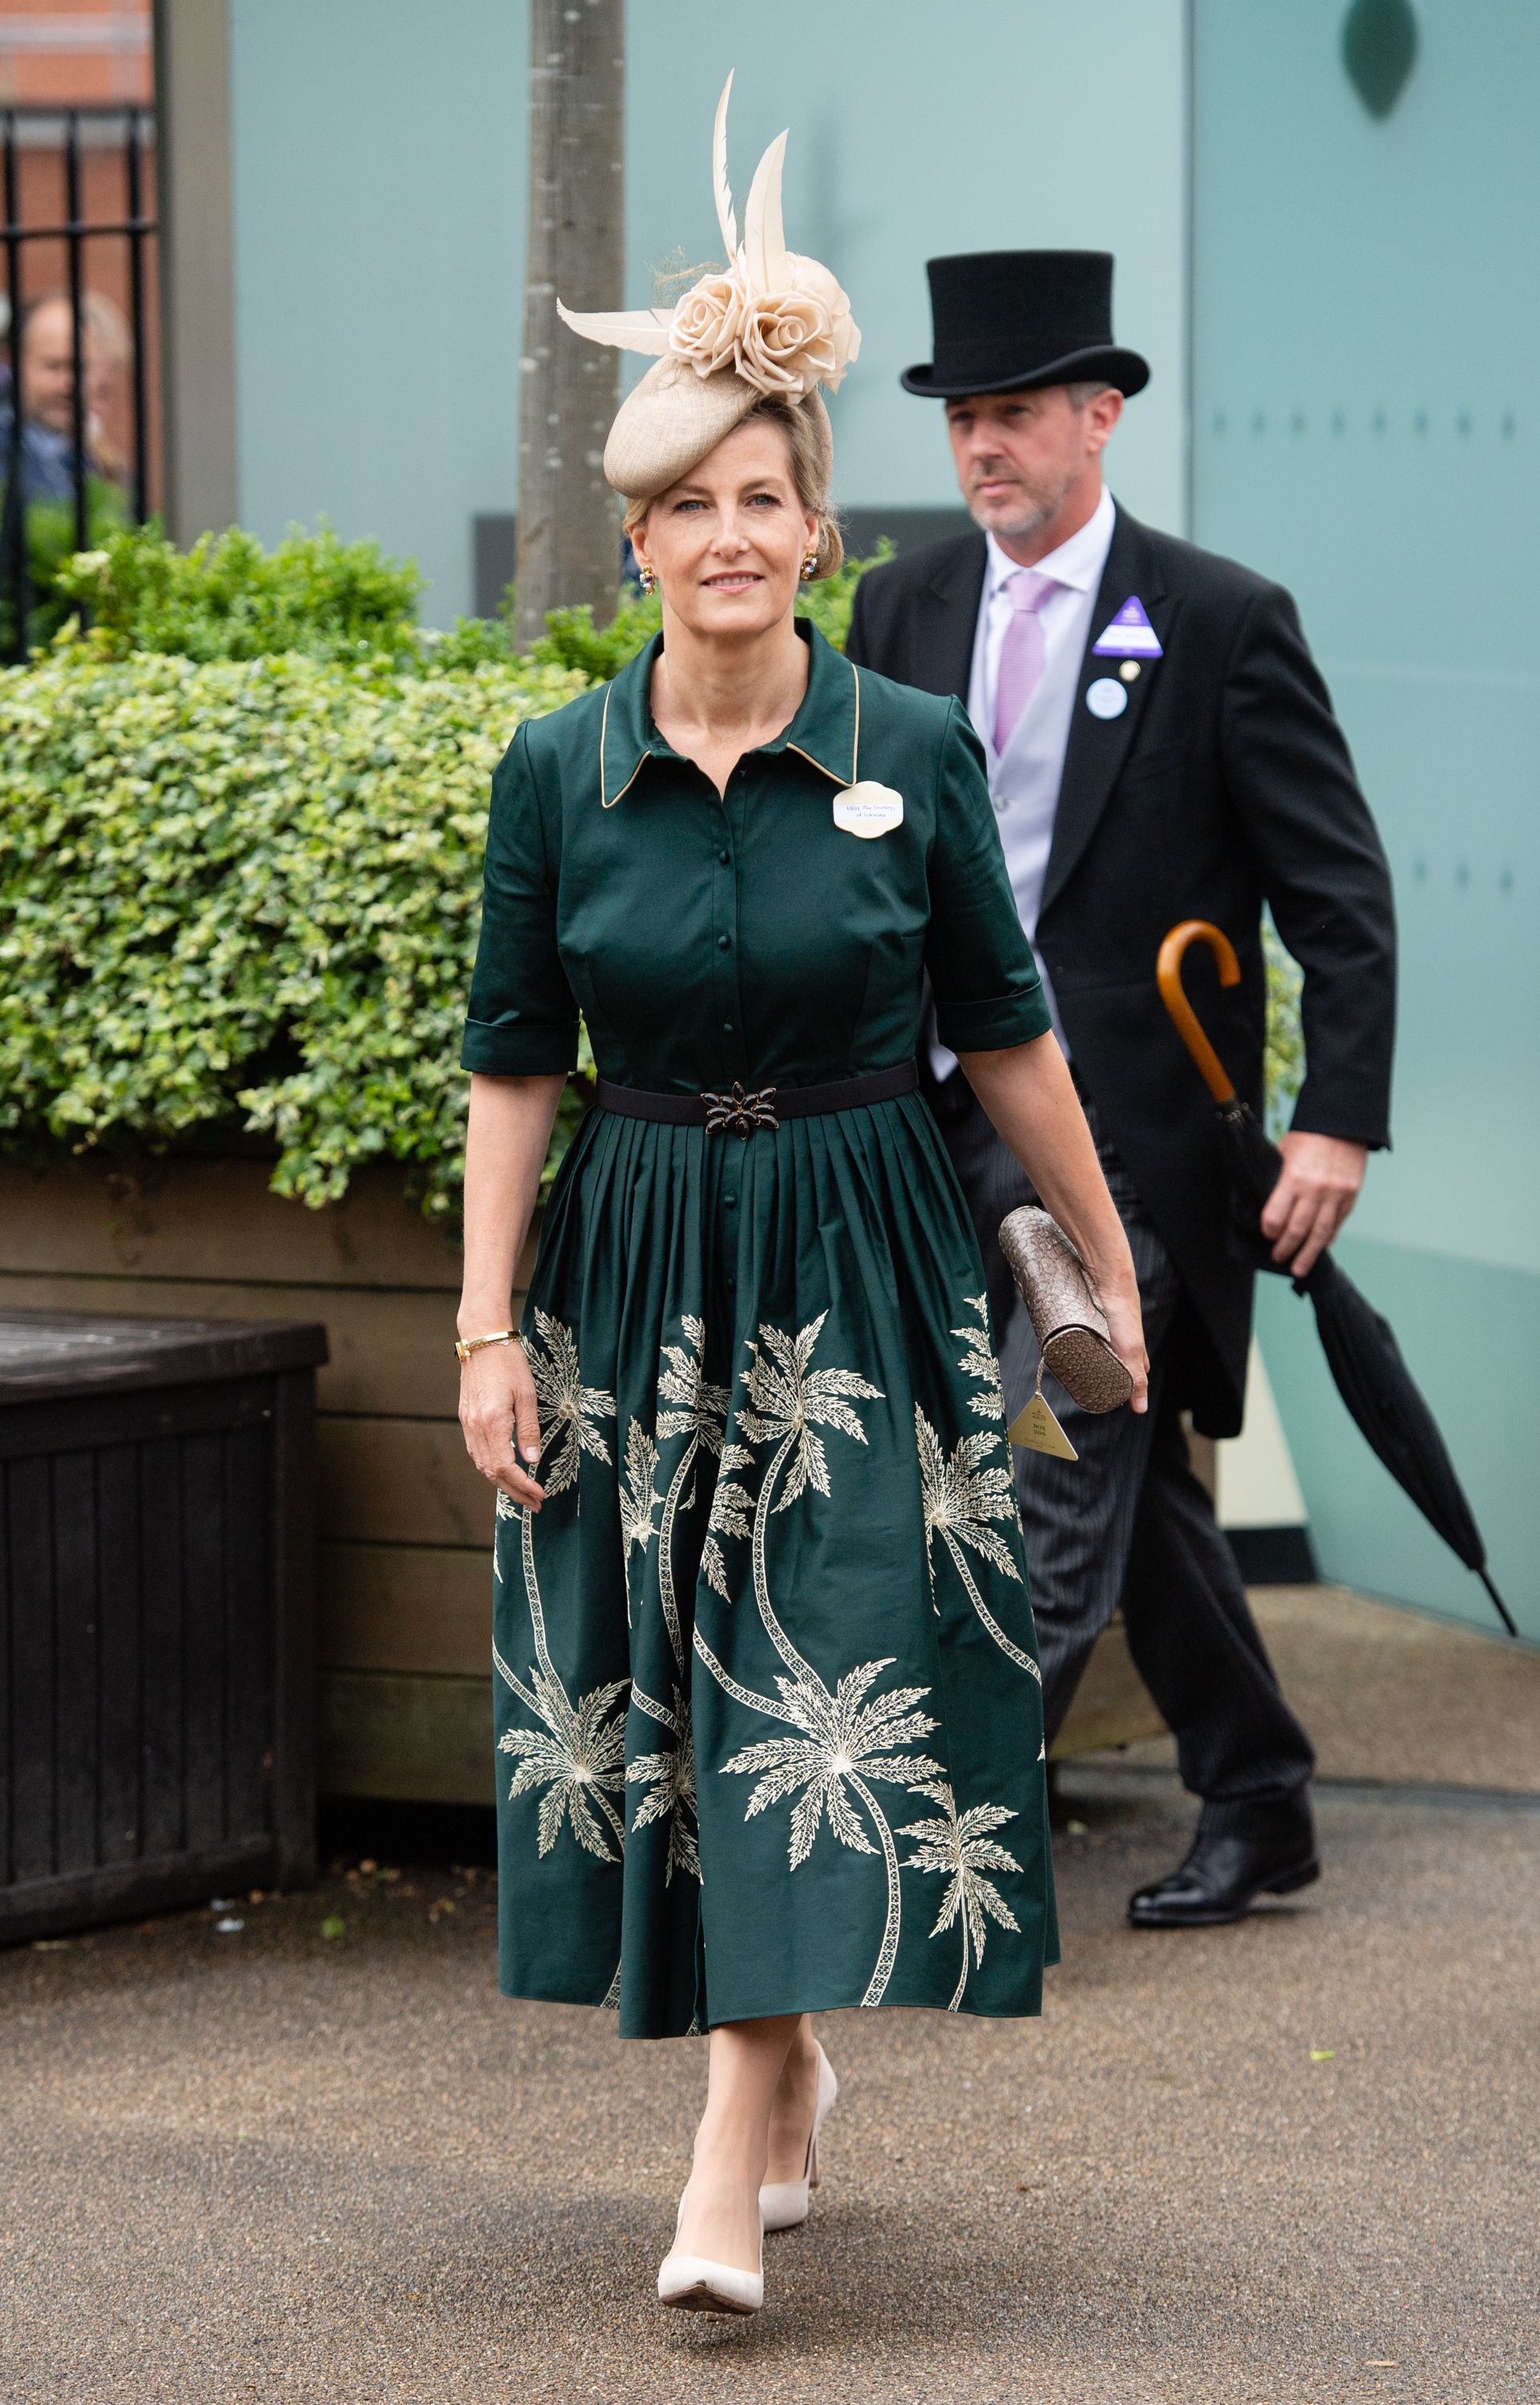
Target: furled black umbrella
[1365,1358]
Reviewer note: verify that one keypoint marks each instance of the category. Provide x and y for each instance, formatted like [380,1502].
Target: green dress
[768,1713]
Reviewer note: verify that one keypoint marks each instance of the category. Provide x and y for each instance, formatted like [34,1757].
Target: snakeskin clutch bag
[1067,1320]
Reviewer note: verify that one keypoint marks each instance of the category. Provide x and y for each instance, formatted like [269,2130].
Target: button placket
[724,924]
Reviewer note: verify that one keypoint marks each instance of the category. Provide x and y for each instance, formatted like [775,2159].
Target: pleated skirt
[767,1717]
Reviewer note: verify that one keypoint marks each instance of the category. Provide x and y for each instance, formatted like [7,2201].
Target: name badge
[868,809]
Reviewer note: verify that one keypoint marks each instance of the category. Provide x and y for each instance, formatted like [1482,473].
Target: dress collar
[825,731]
[1078,562]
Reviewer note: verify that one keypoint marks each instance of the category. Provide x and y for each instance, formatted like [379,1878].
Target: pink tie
[1022,651]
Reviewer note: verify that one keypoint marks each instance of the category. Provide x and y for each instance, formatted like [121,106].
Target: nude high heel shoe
[783,2203]
[698,2285]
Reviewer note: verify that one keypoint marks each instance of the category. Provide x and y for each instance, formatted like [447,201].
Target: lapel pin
[1107,698]
[1129,670]
[1129,636]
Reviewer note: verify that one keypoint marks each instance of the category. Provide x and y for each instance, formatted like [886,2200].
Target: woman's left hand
[1125,1327]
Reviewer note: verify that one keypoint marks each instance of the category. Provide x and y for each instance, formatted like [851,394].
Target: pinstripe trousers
[1129,1524]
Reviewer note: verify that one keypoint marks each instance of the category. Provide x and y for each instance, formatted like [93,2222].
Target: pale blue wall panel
[915,134]
[379,165]
[379,159]
[1365,358]
[1366,1532]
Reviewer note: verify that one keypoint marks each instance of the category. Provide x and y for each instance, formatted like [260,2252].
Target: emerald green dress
[769,1720]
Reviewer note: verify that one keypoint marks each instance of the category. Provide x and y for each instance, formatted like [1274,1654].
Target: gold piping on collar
[608,801]
[854,742]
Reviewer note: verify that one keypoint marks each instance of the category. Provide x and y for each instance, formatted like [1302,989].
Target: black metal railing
[46,469]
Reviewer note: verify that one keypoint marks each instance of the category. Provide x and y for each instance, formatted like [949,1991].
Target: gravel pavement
[1292,2161]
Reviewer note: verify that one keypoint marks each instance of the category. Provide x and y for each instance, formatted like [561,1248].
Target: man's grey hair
[1082,393]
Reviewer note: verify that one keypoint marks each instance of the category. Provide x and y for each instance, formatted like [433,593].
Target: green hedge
[238,890]
[246,893]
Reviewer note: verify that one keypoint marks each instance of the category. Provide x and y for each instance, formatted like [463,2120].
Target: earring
[809,567]
[648,580]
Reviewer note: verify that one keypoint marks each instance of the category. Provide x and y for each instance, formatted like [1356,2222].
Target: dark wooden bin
[157,1569]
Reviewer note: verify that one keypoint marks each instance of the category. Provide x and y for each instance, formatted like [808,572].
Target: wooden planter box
[157,1569]
[403,1700]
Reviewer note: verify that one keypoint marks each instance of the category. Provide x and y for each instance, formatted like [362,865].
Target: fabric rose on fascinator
[708,323]
[770,321]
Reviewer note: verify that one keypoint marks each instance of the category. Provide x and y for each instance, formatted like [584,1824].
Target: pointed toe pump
[783,2203]
[698,2285]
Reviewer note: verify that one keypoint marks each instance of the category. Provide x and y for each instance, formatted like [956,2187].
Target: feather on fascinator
[769,322]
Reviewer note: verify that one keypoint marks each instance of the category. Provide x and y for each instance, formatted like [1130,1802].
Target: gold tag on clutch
[1035,1430]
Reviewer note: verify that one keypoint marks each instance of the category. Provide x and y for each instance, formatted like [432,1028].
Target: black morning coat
[1225,784]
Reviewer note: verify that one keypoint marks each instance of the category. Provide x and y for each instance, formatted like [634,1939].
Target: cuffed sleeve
[988,994]
[522,1020]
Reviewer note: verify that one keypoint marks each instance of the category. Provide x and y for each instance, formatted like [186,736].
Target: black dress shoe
[1221,1878]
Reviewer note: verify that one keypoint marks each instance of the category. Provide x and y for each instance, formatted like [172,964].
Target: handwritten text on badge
[868,809]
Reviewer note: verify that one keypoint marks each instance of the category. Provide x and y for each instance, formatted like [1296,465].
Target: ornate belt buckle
[739,1113]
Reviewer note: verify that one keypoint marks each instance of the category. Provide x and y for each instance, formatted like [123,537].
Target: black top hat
[1012,320]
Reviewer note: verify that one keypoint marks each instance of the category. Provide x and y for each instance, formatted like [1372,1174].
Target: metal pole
[569,530]
[136,318]
[13,528]
[78,324]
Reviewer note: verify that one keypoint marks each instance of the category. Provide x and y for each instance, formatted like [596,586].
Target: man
[48,468]
[1160,747]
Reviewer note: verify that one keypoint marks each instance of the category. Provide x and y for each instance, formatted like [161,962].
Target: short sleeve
[988,993]
[522,1020]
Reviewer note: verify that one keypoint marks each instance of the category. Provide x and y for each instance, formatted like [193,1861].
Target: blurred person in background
[1160,747]
[49,466]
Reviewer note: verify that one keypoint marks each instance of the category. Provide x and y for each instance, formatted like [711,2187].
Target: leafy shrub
[229,598]
[1284,1055]
[50,554]
[247,892]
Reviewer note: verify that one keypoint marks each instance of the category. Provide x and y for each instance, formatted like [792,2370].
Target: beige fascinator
[769,322]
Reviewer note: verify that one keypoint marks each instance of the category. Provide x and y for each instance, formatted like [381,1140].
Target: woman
[771,1726]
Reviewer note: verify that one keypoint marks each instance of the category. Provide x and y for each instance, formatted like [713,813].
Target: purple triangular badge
[1130,636]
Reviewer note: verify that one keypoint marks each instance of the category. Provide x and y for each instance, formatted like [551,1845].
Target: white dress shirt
[1024,779]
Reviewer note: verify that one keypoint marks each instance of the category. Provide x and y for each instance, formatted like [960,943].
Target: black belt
[740,1112]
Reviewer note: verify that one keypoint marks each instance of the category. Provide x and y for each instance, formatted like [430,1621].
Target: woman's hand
[1126,1328]
[497,1407]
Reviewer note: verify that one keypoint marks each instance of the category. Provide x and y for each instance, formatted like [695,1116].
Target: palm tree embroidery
[567,1406]
[696,1410]
[845,1738]
[638,1501]
[732,1515]
[788,1404]
[977,1361]
[959,1846]
[669,1776]
[960,1495]
[578,1753]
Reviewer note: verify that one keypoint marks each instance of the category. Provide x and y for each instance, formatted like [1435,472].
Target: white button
[1107,698]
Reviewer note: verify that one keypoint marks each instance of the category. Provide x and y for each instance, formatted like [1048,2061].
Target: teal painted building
[1365,409]
[1337,307]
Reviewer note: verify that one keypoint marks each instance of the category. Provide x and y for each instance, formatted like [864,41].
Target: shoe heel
[1292,1881]
[813,2161]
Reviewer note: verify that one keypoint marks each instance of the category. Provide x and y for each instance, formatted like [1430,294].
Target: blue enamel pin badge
[1130,636]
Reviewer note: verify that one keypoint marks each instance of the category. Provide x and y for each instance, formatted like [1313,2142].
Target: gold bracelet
[466,1345]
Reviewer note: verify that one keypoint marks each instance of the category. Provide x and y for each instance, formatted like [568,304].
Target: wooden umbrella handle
[1169,977]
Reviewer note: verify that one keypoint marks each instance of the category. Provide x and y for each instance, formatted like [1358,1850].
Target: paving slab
[1396,1697]
[1288,2163]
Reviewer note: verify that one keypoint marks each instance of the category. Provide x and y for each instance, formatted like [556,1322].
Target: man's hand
[1321,1175]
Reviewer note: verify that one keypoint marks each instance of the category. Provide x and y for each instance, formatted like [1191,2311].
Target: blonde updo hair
[806,426]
